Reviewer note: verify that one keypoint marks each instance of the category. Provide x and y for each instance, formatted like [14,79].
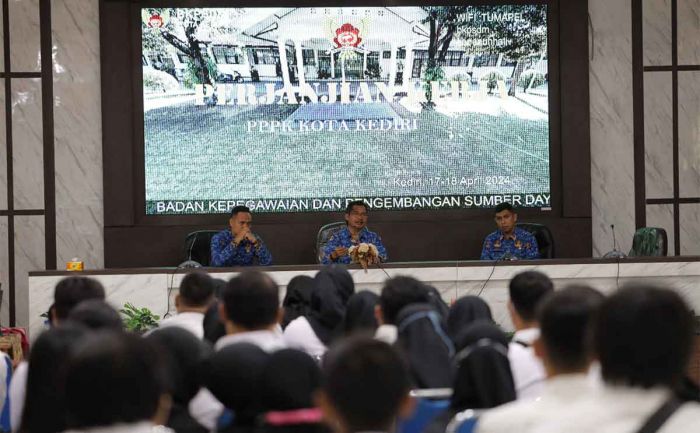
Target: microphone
[189,263]
[615,253]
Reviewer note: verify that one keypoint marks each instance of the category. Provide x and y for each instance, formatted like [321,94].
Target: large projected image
[304,109]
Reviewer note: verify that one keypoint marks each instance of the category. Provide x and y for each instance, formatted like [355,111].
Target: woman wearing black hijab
[333,286]
[234,375]
[288,398]
[422,338]
[464,312]
[359,316]
[297,300]
[483,379]
[183,354]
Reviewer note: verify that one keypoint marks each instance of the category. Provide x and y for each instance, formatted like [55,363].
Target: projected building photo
[303,103]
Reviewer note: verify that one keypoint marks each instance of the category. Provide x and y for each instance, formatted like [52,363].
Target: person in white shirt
[565,319]
[195,294]
[313,333]
[113,385]
[251,312]
[526,290]
[397,293]
[643,338]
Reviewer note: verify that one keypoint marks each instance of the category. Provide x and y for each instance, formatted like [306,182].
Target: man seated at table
[238,245]
[509,242]
[354,233]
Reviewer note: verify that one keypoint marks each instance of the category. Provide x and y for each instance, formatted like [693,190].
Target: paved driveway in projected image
[200,152]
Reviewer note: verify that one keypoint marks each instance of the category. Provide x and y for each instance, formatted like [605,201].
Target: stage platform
[155,288]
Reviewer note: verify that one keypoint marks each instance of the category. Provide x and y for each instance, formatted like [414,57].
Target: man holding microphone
[238,246]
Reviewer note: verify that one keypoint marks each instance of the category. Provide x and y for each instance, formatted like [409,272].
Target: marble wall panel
[3,146]
[689,32]
[25,36]
[29,256]
[661,215]
[4,272]
[658,134]
[690,229]
[612,150]
[2,45]
[78,131]
[27,144]
[656,31]
[689,133]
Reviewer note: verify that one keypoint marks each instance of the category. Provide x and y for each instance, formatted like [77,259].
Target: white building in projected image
[371,43]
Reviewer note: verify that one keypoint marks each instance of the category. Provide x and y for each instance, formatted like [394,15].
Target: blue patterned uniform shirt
[224,253]
[522,245]
[342,238]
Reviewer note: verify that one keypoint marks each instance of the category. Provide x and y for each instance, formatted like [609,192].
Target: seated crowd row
[333,359]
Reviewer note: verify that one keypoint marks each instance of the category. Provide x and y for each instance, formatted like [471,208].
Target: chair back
[426,410]
[545,240]
[464,422]
[198,246]
[324,235]
[649,242]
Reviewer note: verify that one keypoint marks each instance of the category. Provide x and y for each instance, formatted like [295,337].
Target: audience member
[424,342]
[182,354]
[251,312]
[483,379]
[195,295]
[234,376]
[96,314]
[435,299]
[397,293]
[526,290]
[333,286]
[45,408]
[360,316]
[288,398]
[114,383]
[643,339]
[465,311]
[69,292]
[565,320]
[213,326]
[365,386]
[297,300]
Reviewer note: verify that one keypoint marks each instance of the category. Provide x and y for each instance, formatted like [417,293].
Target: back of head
[643,337]
[359,316]
[197,289]
[96,314]
[526,290]
[483,378]
[234,375]
[465,311]
[284,391]
[333,287]
[213,326]
[251,300]
[297,299]
[45,400]
[182,354]
[399,292]
[424,342]
[71,291]
[113,378]
[365,381]
[565,319]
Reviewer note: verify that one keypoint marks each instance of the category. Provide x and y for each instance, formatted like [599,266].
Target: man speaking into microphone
[509,242]
[238,245]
